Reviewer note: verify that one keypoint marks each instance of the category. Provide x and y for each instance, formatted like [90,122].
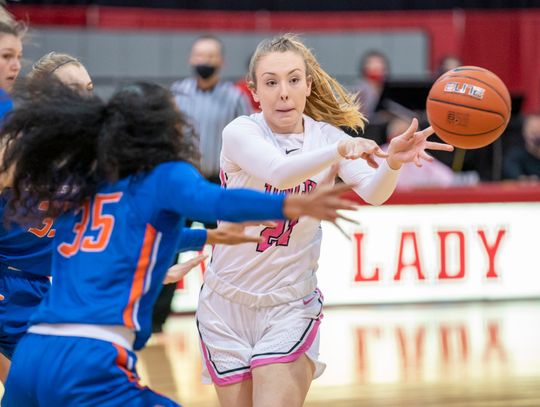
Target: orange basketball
[468,107]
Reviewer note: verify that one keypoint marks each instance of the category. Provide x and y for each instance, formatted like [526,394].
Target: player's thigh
[282,384]
[235,395]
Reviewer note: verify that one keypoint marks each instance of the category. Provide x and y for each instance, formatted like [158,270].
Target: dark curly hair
[60,145]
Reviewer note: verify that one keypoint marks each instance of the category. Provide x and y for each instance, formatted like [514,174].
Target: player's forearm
[380,187]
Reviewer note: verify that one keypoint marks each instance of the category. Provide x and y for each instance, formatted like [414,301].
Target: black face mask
[205,71]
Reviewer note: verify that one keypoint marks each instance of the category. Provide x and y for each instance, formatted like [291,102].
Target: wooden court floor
[453,355]
[467,354]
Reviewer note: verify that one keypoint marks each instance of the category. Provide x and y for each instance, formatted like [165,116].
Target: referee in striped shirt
[209,103]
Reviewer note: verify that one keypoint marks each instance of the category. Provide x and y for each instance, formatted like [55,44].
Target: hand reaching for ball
[411,146]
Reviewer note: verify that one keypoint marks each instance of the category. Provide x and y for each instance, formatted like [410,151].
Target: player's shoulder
[328,130]
[243,123]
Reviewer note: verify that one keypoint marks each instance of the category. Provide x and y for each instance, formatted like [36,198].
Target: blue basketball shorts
[70,371]
[22,293]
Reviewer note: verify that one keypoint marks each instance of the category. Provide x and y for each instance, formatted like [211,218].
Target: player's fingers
[335,204]
[428,131]
[381,153]
[409,133]
[432,145]
[371,162]
[346,218]
[269,224]
[243,238]
[338,227]
[194,261]
[178,271]
[231,226]
[417,161]
[425,156]
[336,190]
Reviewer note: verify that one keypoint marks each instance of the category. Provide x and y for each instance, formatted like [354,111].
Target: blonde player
[260,308]
[68,69]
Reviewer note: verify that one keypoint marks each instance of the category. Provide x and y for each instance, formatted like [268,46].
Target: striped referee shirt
[209,111]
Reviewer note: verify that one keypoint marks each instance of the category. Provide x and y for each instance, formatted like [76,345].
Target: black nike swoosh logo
[291,150]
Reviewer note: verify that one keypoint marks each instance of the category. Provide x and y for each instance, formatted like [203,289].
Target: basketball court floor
[455,354]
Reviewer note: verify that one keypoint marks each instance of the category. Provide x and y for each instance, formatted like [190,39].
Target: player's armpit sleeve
[184,191]
[191,239]
[373,186]
[245,145]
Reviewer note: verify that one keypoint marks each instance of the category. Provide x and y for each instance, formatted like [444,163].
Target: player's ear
[309,81]
[253,89]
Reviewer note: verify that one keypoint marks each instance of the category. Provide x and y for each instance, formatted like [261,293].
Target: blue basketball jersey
[26,249]
[192,239]
[6,104]
[111,255]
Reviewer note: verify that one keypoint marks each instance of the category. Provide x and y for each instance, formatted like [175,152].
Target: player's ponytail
[329,101]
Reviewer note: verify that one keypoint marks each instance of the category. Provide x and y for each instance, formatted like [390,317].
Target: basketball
[468,107]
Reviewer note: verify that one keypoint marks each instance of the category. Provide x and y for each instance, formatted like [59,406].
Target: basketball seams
[465,135]
[449,73]
[468,107]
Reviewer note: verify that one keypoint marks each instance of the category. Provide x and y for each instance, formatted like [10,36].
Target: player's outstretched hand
[178,271]
[411,146]
[323,203]
[234,233]
[359,147]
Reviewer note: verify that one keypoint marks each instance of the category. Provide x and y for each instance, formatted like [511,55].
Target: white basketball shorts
[235,339]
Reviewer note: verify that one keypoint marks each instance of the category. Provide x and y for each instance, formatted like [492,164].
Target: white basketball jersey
[290,251]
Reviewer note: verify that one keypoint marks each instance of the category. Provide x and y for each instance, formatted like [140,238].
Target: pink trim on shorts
[222,381]
[292,356]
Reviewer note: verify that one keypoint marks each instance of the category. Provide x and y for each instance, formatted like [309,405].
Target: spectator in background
[523,162]
[374,69]
[431,174]
[208,102]
[448,62]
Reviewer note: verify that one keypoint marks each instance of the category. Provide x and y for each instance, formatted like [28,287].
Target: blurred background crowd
[389,52]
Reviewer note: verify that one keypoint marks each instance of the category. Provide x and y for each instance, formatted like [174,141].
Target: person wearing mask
[209,102]
[374,70]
